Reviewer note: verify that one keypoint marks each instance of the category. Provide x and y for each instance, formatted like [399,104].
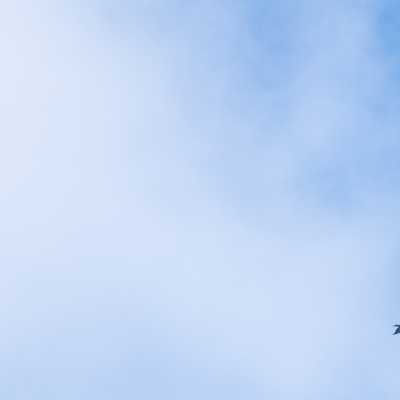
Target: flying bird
[397,330]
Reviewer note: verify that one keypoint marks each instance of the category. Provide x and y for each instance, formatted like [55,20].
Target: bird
[397,330]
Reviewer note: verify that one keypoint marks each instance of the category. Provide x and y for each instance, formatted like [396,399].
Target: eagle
[397,329]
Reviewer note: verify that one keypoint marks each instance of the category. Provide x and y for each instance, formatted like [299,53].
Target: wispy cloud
[198,200]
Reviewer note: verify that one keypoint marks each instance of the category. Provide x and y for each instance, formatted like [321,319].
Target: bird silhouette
[397,330]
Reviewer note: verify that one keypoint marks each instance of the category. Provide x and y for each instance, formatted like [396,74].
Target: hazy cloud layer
[199,200]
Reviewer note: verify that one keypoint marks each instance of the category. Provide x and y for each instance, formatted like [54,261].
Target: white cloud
[168,228]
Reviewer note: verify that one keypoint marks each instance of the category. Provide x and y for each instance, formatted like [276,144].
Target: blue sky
[199,200]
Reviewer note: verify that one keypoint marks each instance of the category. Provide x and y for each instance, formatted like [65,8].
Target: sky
[199,199]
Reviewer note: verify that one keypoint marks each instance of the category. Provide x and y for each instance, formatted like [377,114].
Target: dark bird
[397,330]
